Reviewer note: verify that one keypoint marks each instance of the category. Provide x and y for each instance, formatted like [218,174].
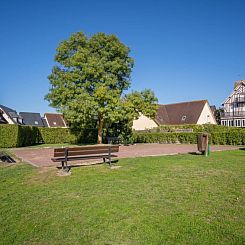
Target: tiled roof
[32,119]
[10,112]
[180,113]
[55,120]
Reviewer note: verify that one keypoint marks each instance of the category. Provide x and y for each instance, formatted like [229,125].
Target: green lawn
[184,199]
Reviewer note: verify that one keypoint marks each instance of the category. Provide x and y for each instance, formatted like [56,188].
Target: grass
[183,199]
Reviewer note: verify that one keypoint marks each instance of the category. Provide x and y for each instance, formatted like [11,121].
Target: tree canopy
[89,80]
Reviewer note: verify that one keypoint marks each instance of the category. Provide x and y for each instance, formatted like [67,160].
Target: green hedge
[228,138]
[9,135]
[231,137]
[56,136]
[17,136]
[209,128]
[12,135]
[165,138]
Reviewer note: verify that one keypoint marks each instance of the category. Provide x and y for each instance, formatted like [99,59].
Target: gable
[144,122]
[55,120]
[240,88]
[207,116]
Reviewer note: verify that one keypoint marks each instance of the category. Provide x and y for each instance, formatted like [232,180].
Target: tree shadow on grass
[195,153]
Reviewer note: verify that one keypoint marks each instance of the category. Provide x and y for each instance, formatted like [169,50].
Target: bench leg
[103,159]
[110,160]
[62,165]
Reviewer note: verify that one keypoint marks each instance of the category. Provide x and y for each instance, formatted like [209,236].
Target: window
[243,123]
[183,118]
[54,123]
[36,122]
[208,119]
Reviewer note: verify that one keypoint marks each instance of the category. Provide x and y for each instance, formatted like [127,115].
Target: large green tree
[89,79]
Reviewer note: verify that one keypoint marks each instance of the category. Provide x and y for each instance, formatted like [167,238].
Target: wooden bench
[64,155]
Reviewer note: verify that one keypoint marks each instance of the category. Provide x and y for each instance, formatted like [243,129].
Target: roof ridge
[53,113]
[192,101]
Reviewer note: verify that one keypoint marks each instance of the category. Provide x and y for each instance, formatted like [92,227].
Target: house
[32,119]
[2,120]
[9,116]
[192,112]
[234,107]
[55,120]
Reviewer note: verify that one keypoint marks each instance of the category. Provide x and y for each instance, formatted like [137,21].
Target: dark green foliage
[17,136]
[28,135]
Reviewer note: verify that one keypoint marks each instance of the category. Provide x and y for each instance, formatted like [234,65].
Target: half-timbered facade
[234,107]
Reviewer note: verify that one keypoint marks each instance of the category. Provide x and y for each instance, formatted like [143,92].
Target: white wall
[144,123]
[206,116]
[7,118]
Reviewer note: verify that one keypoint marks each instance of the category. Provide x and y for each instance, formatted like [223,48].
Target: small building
[55,120]
[192,112]
[234,107]
[9,116]
[32,119]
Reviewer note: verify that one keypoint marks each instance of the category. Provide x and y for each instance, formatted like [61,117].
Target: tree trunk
[100,130]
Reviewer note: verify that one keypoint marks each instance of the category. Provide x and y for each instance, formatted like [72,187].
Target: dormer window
[183,118]
[36,122]
[54,123]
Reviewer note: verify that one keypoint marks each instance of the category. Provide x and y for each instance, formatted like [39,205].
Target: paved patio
[41,157]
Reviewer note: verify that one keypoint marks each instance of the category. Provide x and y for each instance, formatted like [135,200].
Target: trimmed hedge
[209,128]
[9,135]
[17,135]
[231,137]
[165,137]
[12,135]
[56,136]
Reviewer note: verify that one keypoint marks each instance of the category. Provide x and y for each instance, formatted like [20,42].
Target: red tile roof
[55,120]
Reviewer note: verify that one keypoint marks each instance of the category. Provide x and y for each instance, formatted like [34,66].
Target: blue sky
[183,49]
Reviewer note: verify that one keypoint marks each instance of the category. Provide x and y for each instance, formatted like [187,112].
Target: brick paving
[41,157]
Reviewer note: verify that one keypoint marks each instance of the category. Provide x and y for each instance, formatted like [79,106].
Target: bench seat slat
[83,152]
[60,159]
[81,148]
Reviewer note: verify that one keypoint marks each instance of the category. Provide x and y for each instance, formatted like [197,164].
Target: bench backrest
[85,150]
